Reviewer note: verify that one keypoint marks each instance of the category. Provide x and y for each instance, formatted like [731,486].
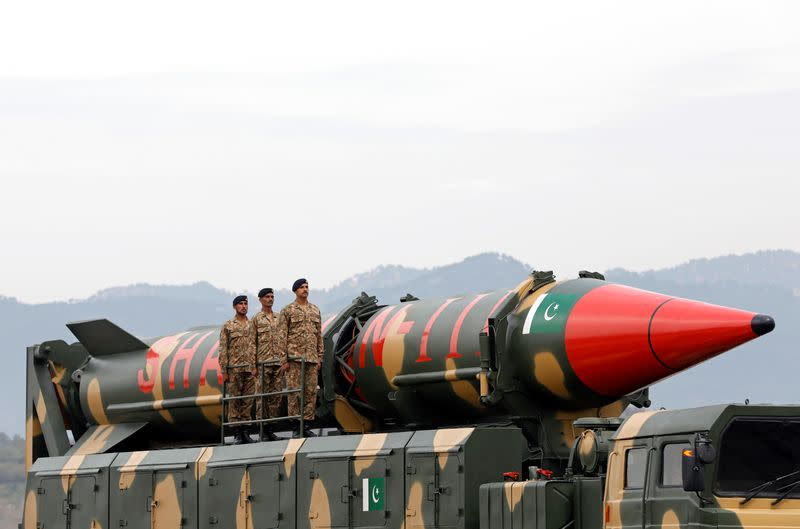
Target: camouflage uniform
[300,332]
[269,357]
[237,347]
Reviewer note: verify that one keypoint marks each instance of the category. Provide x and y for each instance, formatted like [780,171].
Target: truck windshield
[752,452]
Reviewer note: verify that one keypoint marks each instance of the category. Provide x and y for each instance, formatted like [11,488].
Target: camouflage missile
[575,344]
[172,383]
[541,347]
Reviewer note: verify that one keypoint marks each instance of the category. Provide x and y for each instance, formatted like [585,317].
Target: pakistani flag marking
[526,327]
[372,494]
[549,316]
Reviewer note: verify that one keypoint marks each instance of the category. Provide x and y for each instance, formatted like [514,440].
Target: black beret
[264,291]
[239,299]
[297,284]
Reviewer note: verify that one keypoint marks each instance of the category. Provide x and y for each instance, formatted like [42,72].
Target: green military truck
[719,466]
[724,466]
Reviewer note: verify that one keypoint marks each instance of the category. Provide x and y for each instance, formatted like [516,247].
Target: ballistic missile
[545,347]
[576,344]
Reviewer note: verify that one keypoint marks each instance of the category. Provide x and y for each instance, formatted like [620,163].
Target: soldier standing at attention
[300,332]
[268,358]
[237,351]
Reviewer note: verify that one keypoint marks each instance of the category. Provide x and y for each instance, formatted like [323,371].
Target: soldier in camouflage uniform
[300,333]
[237,360]
[269,358]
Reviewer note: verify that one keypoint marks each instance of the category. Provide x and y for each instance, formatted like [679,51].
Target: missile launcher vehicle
[424,408]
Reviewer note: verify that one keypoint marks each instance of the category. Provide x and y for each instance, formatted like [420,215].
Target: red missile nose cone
[620,339]
[685,332]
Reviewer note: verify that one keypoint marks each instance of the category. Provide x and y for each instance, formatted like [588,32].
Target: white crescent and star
[547,315]
[550,312]
[372,494]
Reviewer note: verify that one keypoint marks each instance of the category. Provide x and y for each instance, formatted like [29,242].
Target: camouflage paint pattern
[417,479]
[155,488]
[535,504]
[426,478]
[68,492]
[46,422]
[176,381]
[428,337]
[446,478]
[101,438]
[671,506]
[578,501]
[250,486]
[445,468]
[331,471]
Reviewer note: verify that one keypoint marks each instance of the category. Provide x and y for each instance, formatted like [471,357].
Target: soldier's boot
[305,433]
[268,434]
[241,436]
[296,432]
[237,440]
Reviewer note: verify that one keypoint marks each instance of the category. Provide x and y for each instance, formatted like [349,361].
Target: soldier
[300,334]
[237,360]
[268,358]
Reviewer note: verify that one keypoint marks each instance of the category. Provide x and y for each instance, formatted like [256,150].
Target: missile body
[539,348]
[576,344]
[173,384]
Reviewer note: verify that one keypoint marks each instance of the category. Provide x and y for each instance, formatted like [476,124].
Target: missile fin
[101,438]
[102,337]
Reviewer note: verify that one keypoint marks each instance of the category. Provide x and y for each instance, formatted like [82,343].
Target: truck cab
[724,466]
[750,478]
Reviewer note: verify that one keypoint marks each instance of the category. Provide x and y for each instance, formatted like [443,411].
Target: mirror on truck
[692,470]
[706,452]
[692,461]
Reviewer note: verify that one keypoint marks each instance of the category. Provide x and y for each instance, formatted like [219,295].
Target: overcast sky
[247,144]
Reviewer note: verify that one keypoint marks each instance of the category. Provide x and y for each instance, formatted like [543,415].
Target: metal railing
[263,420]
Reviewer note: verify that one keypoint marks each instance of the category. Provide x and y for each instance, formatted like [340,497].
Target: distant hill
[488,271]
[764,281]
[779,268]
